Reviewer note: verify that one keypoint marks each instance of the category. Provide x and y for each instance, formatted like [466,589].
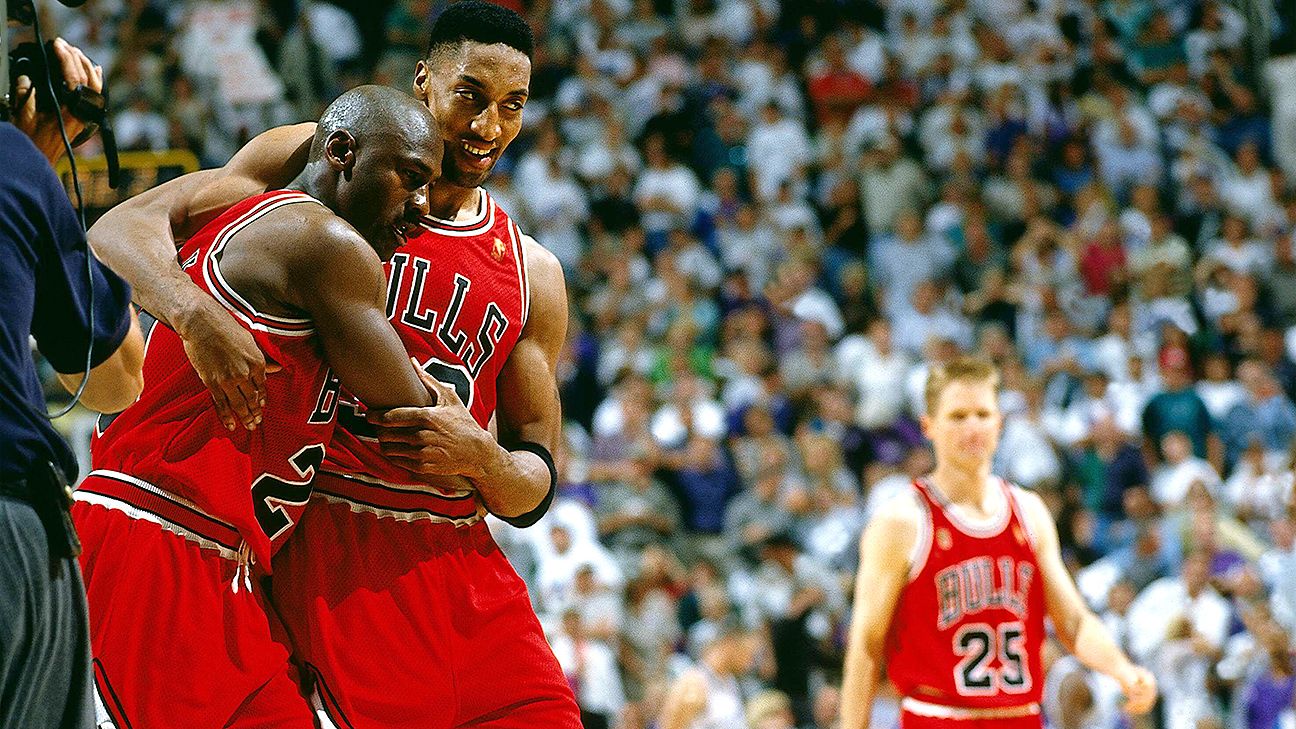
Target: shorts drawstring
[245,560]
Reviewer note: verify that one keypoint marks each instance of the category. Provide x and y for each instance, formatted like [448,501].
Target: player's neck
[963,484]
[447,201]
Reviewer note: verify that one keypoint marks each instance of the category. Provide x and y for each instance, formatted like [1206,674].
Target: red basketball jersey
[168,452]
[969,626]
[457,295]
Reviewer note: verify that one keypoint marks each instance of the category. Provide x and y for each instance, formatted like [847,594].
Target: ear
[924,421]
[340,151]
[421,76]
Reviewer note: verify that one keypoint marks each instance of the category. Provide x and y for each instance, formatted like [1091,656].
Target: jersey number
[271,493]
[977,644]
[350,418]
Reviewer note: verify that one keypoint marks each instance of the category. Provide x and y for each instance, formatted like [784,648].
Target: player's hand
[227,360]
[1140,688]
[78,70]
[442,439]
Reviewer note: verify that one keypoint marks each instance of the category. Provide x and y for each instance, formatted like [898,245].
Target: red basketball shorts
[173,644]
[413,625]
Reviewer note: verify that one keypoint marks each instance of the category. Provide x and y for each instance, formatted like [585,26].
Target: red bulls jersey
[969,626]
[457,295]
[167,458]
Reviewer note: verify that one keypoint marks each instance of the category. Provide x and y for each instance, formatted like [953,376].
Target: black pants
[44,631]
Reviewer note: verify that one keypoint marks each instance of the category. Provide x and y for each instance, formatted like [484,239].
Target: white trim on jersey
[410,488]
[138,512]
[980,531]
[221,289]
[1021,515]
[921,551]
[927,709]
[519,248]
[405,516]
[485,222]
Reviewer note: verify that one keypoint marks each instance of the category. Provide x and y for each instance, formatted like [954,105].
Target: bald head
[370,113]
[374,153]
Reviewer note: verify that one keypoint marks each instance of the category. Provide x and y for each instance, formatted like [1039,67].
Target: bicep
[528,404]
[1062,600]
[346,304]
[883,574]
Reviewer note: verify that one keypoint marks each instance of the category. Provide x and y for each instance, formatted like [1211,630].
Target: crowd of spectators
[775,216]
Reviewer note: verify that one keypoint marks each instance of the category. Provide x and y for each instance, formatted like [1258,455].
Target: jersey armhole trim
[230,298]
[519,255]
[1011,492]
[921,549]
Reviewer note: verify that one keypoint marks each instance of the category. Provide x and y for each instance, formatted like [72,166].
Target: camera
[39,62]
[29,60]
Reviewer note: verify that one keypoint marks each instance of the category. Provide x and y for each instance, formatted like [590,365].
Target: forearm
[136,240]
[859,686]
[1093,646]
[512,483]
[116,382]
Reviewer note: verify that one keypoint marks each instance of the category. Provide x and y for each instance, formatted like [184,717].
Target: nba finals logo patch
[1017,534]
[497,250]
[943,539]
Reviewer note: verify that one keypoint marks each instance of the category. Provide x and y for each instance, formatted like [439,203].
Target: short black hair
[480,22]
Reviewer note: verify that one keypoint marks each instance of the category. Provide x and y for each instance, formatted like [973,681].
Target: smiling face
[477,92]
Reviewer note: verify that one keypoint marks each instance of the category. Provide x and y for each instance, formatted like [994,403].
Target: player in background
[955,581]
[396,597]
[180,517]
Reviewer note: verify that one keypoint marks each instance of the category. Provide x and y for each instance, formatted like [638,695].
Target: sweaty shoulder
[542,265]
[547,286]
[299,252]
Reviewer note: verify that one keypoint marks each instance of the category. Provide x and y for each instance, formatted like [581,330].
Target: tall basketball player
[955,581]
[398,602]
[180,517]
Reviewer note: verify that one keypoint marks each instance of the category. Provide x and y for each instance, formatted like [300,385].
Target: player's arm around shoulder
[335,277]
[886,560]
[138,239]
[1077,628]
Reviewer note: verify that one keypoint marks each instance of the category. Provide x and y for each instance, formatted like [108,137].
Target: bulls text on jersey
[974,585]
[474,351]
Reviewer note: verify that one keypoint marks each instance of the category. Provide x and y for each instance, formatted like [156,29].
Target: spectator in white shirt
[591,669]
[1181,469]
[667,192]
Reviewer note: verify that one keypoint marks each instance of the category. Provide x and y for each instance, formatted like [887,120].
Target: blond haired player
[955,581]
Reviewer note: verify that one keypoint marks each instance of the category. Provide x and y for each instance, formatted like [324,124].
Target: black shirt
[44,294]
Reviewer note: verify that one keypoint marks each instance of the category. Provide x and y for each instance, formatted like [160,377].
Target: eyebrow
[476,82]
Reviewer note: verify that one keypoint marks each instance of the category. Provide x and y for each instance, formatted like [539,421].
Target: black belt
[50,496]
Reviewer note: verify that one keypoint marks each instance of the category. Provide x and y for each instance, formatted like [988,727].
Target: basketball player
[180,515]
[955,581]
[398,603]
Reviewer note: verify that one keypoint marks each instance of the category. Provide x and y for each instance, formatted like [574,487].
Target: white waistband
[941,711]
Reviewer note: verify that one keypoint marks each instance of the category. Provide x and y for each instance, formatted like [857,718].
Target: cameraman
[44,293]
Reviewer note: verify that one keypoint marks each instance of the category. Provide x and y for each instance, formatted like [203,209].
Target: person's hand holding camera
[43,128]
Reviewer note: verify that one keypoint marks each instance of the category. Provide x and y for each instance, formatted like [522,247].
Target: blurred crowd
[775,216]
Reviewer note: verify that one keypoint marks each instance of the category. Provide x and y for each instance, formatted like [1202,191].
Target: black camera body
[40,64]
[27,60]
